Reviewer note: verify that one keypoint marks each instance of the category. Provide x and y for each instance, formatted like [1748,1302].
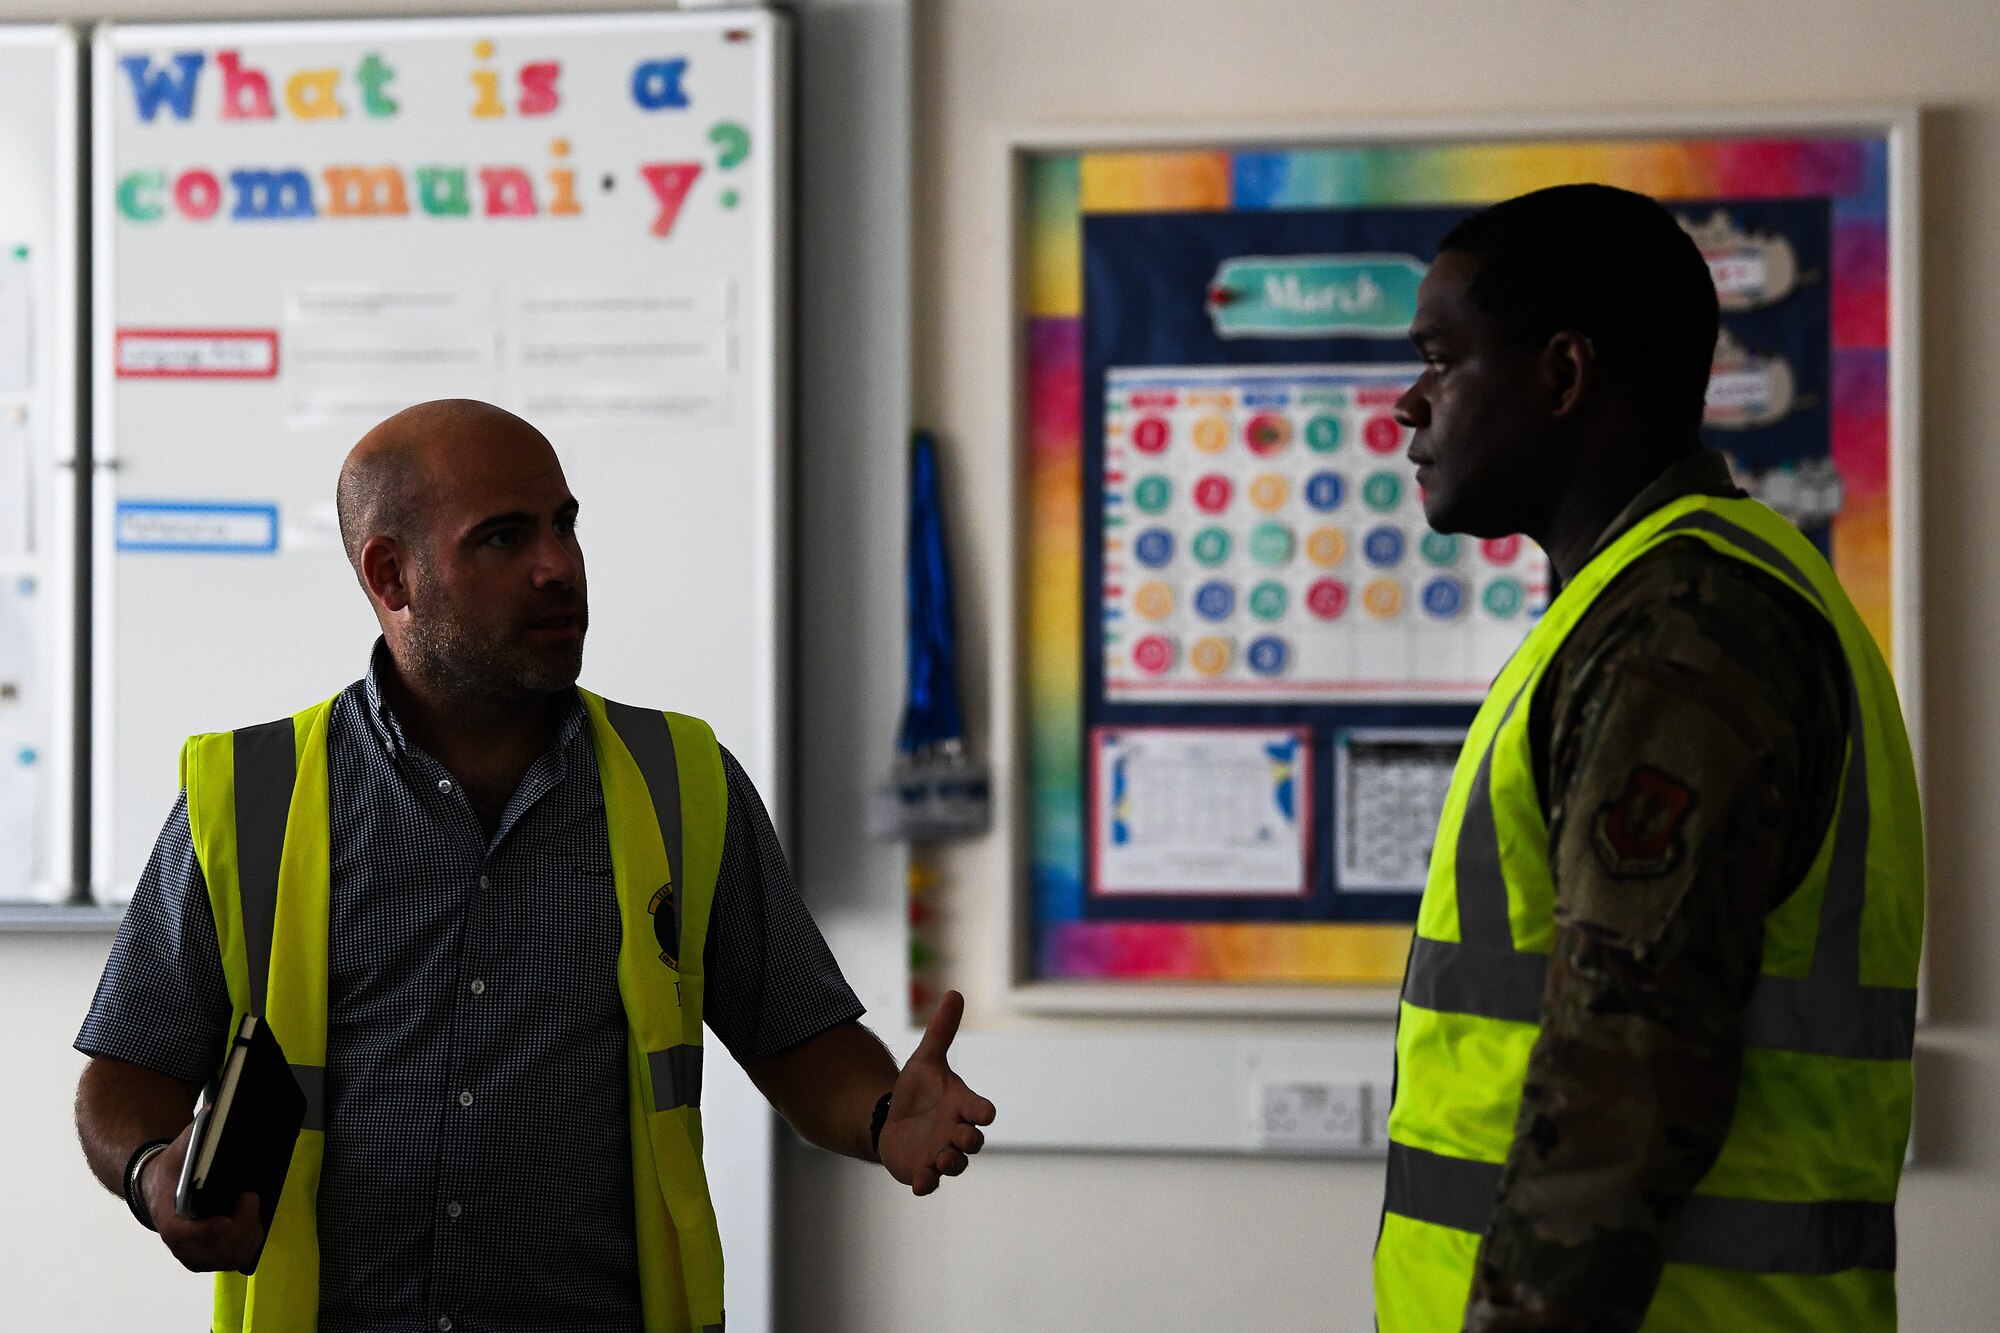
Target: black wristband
[133,1199]
[875,1123]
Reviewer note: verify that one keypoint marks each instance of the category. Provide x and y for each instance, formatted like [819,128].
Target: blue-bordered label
[197,529]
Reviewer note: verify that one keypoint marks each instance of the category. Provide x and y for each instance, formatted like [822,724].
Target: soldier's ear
[1569,363]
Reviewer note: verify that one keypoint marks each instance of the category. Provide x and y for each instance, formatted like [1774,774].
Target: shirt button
[444,784]
[444,1323]
[452,1209]
[465,1098]
[478,986]
[485,883]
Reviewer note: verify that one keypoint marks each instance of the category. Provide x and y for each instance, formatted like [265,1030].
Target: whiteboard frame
[749,1144]
[1900,125]
[62,887]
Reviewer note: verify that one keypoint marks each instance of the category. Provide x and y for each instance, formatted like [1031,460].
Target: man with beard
[1653,1055]
[486,913]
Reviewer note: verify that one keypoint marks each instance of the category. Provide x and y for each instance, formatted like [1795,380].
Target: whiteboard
[302,227]
[38,256]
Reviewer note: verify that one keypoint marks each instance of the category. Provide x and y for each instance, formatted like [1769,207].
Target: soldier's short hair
[1611,265]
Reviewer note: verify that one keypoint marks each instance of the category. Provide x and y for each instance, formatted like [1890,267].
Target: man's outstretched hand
[934,1119]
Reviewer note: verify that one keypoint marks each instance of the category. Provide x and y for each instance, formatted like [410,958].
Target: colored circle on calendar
[1384,546]
[1154,547]
[1503,598]
[1149,436]
[1323,434]
[1271,544]
[1267,433]
[1210,546]
[1501,550]
[1267,600]
[1382,491]
[1268,655]
[1325,491]
[1382,598]
[1440,548]
[1214,600]
[1211,435]
[1212,492]
[1326,547]
[1326,598]
[1382,435]
[1210,655]
[1444,597]
[1269,491]
[1153,654]
[1153,493]
[1154,600]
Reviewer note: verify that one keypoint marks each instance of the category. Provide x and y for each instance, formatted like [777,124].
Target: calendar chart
[1251,662]
[1264,539]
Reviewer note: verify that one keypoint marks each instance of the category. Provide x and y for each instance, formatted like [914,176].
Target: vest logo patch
[1638,835]
[666,912]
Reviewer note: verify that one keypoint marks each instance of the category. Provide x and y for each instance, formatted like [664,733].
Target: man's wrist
[135,1166]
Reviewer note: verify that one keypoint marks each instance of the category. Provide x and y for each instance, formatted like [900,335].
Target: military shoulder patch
[1637,834]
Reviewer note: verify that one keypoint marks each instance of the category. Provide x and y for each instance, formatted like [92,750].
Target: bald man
[501,907]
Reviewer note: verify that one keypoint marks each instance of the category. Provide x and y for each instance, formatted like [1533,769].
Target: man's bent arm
[827,1086]
[119,1106]
[830,1086]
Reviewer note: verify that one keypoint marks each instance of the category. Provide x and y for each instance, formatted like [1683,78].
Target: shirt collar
[1704,472]
[389,730]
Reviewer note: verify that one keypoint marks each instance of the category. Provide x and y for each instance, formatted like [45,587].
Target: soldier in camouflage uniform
[1687,743]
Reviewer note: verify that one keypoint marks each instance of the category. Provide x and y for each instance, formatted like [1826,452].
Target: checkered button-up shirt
[477,1166]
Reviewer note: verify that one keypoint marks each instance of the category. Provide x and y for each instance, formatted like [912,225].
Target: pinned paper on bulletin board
[1224,533]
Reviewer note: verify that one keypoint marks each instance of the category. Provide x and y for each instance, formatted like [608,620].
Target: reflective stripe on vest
[266,770]
[1749,1235]
[1825,1042]
[258,807]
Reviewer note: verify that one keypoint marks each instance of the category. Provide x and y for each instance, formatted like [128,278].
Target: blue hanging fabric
[930,712]
[936,790]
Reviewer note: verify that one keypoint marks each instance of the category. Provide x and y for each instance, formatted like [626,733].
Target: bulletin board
[1248,661]
[39,151]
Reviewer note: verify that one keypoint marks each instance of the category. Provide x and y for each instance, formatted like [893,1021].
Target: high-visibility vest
[259,812]
[1794,1225]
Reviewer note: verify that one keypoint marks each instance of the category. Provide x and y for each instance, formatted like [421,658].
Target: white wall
[1128,1242]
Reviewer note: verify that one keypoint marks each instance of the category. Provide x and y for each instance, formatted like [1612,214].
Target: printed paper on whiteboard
[1209,811]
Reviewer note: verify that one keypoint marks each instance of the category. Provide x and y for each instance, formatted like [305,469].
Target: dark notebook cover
[251,1111]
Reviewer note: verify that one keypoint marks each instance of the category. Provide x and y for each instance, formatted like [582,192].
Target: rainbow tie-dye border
[1062,186]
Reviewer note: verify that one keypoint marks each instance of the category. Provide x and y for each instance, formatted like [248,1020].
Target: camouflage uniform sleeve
[1694,727]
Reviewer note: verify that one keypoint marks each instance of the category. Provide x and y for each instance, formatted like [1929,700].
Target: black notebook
[244,1128]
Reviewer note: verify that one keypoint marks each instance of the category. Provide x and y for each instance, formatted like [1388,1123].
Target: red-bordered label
[196,354]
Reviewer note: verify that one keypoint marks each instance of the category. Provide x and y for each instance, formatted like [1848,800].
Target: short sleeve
[163,1002]
[772,982]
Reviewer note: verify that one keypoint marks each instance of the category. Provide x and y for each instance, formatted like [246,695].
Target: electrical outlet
[1311,1117]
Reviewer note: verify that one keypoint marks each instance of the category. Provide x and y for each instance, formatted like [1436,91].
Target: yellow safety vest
[259,812]
[1794,1225]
